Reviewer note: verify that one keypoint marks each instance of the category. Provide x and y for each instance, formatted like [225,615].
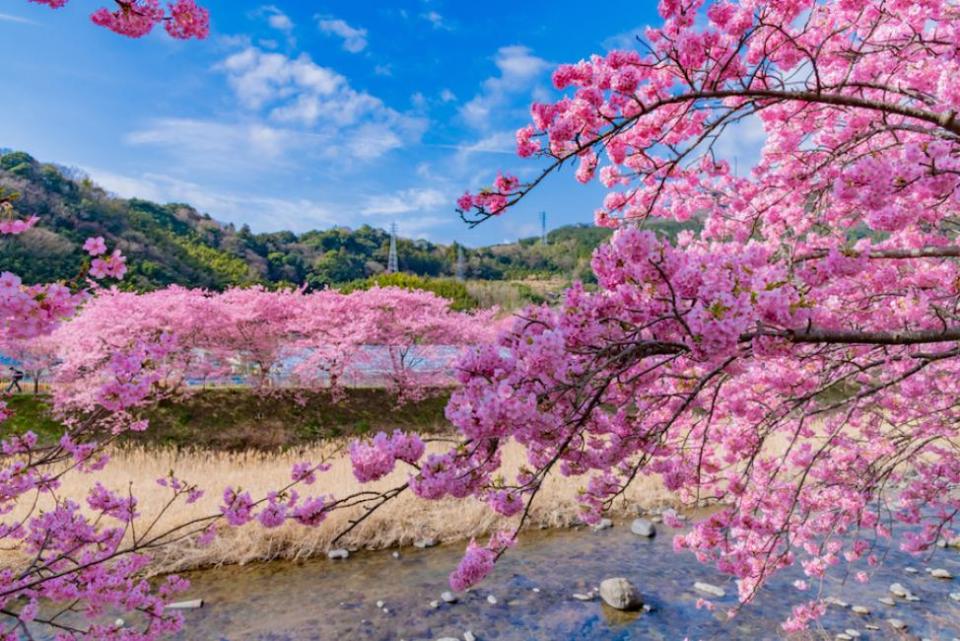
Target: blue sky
[301,115]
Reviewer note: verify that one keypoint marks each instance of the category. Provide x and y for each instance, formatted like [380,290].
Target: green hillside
[175,244]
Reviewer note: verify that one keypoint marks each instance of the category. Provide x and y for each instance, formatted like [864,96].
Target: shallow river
[323,599]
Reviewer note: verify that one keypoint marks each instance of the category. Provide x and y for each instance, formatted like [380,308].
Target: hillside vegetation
[173,243]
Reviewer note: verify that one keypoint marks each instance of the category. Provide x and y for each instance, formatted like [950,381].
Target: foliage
[173,244]
[453,290]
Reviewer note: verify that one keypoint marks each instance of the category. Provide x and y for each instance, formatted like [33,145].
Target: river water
[330,600]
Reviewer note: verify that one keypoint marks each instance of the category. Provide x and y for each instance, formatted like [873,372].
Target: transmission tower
[461,264]
[543,228]
[393,265]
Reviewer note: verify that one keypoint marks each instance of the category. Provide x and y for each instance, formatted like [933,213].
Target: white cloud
[383,70]
[406,201]
[276,18]
[741,144]
[354,38]
[447,96]
[218,144]
[438,21]
[298,214]
[519,69]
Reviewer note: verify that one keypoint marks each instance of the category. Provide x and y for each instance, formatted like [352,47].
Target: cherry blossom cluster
[183,19]
[791,359]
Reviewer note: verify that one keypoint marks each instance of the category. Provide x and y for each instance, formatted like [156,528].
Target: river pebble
[338,554]
[840,636]
[469,636]
[643,527]
[852,633]
[425,543]
[897,589]
[955,596]
[832,600]
[580,596]
[620,594]
[910,570]
[492,600]
[709,588]
[448,597]
[603,524]
[940,573]
[859,609]
[897,624]
[887,601]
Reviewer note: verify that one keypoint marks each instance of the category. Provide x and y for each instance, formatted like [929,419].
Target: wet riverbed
[324,599]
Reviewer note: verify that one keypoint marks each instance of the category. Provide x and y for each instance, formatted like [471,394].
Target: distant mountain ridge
[175,244]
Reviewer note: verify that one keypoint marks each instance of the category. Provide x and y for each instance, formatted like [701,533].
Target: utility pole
[393,265]
[461,264]
[543,228]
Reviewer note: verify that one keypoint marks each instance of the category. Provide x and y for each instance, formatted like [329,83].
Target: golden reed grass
[401,521]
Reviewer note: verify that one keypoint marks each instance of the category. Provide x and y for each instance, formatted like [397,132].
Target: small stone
[656,519]
[913,598]
[434,604]
[941,543]
[579,596]
[840,636]
[380,604]
[647,608]
[940,573]
[910,570]
[870,626]
[338,554]
[887,601]
[604,524]
[852,633]
[492,600]
[396,555]
[535,590]
[448,639]
[897,589]
[469,636]
[643,527]
[832,600]
[425,543]
[448,597]
[859,609]
[620,594]
[119,623]
[386,610]
[897,624]
[955,596]
[709,588]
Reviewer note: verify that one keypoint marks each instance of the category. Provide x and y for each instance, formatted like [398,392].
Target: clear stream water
[328,600]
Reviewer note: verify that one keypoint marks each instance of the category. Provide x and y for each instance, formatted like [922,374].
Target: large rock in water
[643,527]
[620,594]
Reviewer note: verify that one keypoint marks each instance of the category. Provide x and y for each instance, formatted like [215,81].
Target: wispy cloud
[354,38]
[263,213]
[417,199]
[518,69]
[6,17]
[276,18]
[437,20]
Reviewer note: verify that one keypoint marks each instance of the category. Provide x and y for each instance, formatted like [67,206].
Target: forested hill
[174,243]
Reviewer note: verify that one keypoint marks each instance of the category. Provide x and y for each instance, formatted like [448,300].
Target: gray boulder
[643,527]
[620,594]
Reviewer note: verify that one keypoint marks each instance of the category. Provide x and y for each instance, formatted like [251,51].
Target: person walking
[15,378]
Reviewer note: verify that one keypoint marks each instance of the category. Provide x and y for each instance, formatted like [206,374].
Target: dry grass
[400,522]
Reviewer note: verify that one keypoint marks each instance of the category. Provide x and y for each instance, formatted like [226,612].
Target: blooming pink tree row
[795,363]
[406,341]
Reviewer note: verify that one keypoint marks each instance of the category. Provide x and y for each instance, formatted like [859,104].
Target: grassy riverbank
[235,419]
[230,437]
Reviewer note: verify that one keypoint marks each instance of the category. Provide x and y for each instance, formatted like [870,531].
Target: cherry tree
[183,19]
[795,363]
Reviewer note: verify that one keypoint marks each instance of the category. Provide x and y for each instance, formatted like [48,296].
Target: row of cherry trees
[406,341]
